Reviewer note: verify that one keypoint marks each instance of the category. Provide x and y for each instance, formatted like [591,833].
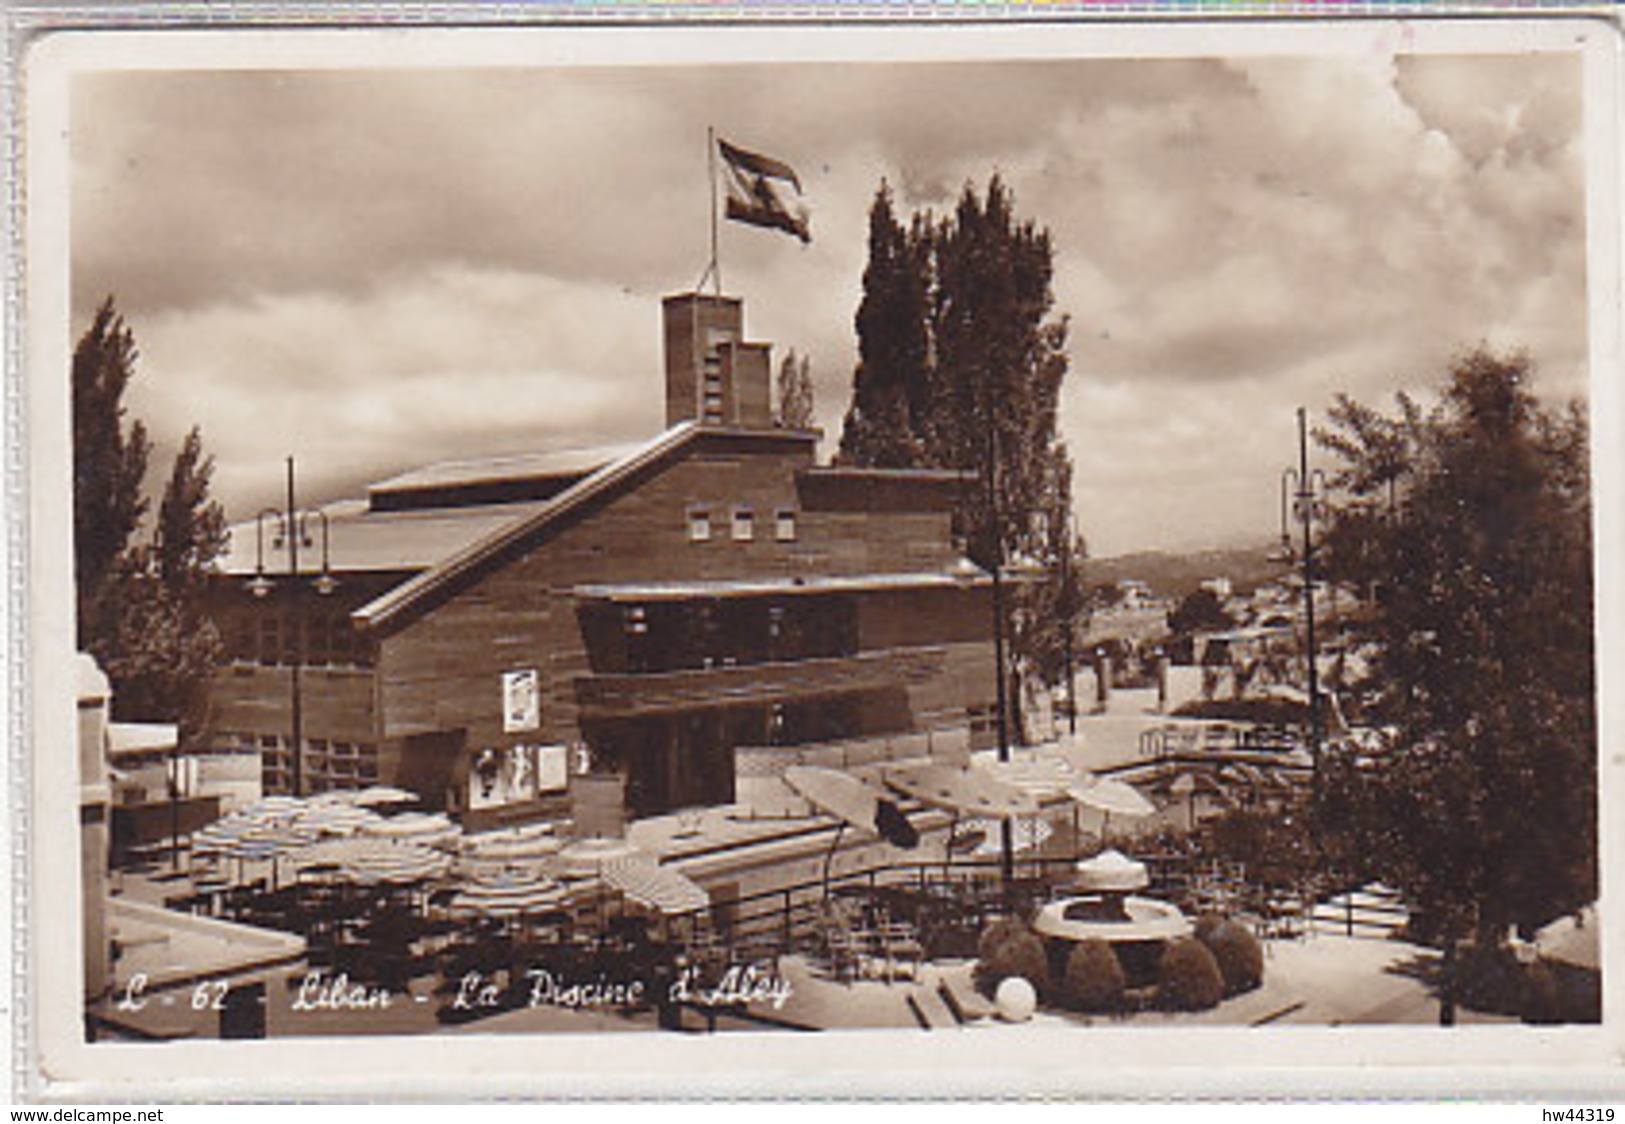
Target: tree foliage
[109,463]
[1199,611]
[140,599]
[795,392]
[891,387]
[1471,522]
[961,366]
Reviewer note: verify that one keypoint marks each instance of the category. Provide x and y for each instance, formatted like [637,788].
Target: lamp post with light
[1303,496]
[292,526]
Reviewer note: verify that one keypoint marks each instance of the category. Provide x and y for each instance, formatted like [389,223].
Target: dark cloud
[376,268]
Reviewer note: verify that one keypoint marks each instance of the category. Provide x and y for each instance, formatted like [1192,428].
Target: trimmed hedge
[1012,949]
[1094,978]
[1239,955]
[996,933]
[1207,923]
[1189,978]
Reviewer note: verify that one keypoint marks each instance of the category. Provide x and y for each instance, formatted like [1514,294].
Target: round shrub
[1488,978]
[1540,1001]
[1207,922]
[1189,978]
[1239,955]
[996,933]
[1022,954]
[1094,977]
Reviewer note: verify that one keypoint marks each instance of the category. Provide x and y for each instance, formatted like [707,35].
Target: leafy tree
[891,384]
[191,528]
[1485,811]
[996,380]
[141,601]
[109,462]
[1199,611]
[795,392]
[961,366]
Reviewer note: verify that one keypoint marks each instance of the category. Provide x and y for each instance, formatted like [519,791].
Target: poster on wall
[519,772]
[552,768]
[521,700]
[486,782]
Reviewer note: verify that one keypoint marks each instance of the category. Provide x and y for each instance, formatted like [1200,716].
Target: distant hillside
[1174,575]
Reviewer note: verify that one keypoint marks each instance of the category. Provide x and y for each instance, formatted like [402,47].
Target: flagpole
[711,159]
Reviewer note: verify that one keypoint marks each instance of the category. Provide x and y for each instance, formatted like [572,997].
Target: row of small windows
[742,524]
[327,764]
[314,639]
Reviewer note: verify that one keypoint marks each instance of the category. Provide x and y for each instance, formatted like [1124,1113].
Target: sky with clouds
[375,269]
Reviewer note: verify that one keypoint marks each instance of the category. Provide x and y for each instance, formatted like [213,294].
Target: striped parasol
[427,828]
[396,864]
[509,845]
[508,896]
[335,818]
[273,807]
[660,888]
[586,857]
[382,796]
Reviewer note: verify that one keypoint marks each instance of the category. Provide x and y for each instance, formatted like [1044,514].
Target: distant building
[1133,594]
[1220,587]
[490,627]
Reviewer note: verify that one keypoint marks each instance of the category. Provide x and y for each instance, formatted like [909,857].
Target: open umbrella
[396,864]
[961,791]
[416,827]
[1572,940]
[508,896]
[585,858]
[262,841]
[331,817]
[1112,872]
[967,790]
[659,888]
[382,796]
[1041,774]
[1111,797]
[854,804]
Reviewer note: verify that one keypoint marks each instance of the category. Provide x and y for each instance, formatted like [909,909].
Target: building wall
[443,670]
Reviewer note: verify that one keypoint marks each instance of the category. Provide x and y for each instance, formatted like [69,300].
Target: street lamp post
[1304,494]
[1007,846]
[1071,625]
[291,524]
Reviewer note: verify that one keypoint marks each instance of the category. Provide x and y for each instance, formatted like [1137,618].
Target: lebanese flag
[757,191]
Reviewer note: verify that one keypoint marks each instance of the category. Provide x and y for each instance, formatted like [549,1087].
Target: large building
[480,632]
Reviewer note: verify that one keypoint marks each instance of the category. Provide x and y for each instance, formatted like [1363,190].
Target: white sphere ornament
[1015,999]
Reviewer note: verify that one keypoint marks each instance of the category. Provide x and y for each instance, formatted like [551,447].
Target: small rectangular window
[699,524]
[636,621]
[784,525]
[744,524]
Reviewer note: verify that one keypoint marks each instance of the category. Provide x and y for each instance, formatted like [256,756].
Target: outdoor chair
[902,946]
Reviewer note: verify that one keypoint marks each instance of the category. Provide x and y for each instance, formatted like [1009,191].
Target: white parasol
[854,804]
[962,791]
[1112,872]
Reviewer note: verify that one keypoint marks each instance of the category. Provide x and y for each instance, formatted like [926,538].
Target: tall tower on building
[712,374]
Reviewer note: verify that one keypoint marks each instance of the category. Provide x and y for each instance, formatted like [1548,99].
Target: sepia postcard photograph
[1025,559]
